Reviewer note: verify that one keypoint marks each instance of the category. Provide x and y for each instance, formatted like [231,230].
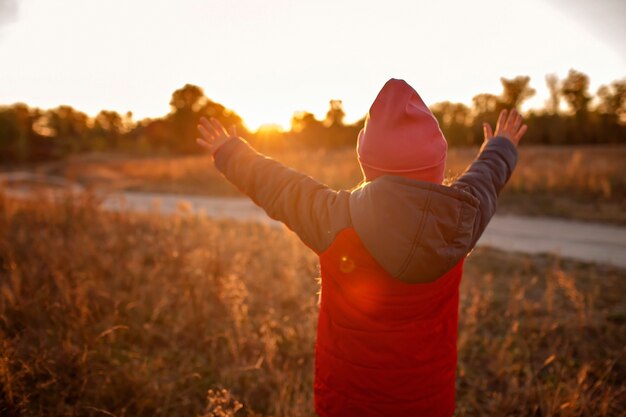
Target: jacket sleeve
[310,209]
[486,176]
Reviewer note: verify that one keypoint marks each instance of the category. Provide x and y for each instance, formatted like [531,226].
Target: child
[391,251]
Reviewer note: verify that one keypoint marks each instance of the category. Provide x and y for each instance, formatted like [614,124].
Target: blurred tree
[109,126]
[10,135]
[226,116]
[337,133]
[554,102]
[188,104]
[127,121]
[612,99]
[575,91]
[611,112]
[516,91]
[154,135]
[17,131]
[20,140]
[307,130]
[189,98]
[302,120]
[486,103]
[268,137]
[179,129]
[454,121]
[486,108]
[67,127]
[335,114]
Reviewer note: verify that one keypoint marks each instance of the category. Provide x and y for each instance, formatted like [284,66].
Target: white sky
[266,59]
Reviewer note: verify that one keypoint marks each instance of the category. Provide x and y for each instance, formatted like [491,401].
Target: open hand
[214,134]
[508,127]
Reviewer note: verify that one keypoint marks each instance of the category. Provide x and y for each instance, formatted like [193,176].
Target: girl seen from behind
[391,251]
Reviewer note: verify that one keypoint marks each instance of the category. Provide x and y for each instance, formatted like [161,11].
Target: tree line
[571,115]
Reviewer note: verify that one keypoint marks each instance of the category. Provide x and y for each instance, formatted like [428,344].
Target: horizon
[278,127]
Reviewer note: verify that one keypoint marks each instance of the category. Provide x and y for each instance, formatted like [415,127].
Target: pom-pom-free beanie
[401,136]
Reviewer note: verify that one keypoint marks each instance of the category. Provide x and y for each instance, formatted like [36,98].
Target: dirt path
[591,242]
[573,239]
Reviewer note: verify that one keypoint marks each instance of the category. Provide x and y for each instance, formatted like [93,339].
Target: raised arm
[493,167]
[301,203]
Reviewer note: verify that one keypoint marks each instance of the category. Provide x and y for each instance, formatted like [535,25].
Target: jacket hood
[415,230]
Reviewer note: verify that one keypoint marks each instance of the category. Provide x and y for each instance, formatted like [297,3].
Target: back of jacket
[384,347]
[391,257]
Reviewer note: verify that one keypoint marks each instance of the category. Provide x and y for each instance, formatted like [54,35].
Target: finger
[233,131]
[219,128]
[488,132]
[508,124]
[205,133]
[501,119]
[204,143]
[517,123]
[521,133]
[208,126]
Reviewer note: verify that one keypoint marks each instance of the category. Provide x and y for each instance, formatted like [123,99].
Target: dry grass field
[582,182]
[116,314]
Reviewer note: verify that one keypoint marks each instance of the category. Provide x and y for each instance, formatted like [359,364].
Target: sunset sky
[267,59]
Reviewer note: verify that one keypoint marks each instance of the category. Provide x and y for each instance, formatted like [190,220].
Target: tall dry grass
[584,182]
[107,313]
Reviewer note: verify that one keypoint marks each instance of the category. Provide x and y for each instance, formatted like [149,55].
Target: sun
[266,120]
[270,128]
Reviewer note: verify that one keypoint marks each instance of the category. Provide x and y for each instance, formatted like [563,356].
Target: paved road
[573,239]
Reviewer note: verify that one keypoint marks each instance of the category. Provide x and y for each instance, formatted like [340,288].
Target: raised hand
[509,127]
[214,134]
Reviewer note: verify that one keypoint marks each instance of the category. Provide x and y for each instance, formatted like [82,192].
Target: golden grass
[584,182]
[141,315]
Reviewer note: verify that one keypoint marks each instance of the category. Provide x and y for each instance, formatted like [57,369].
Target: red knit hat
[401,136]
